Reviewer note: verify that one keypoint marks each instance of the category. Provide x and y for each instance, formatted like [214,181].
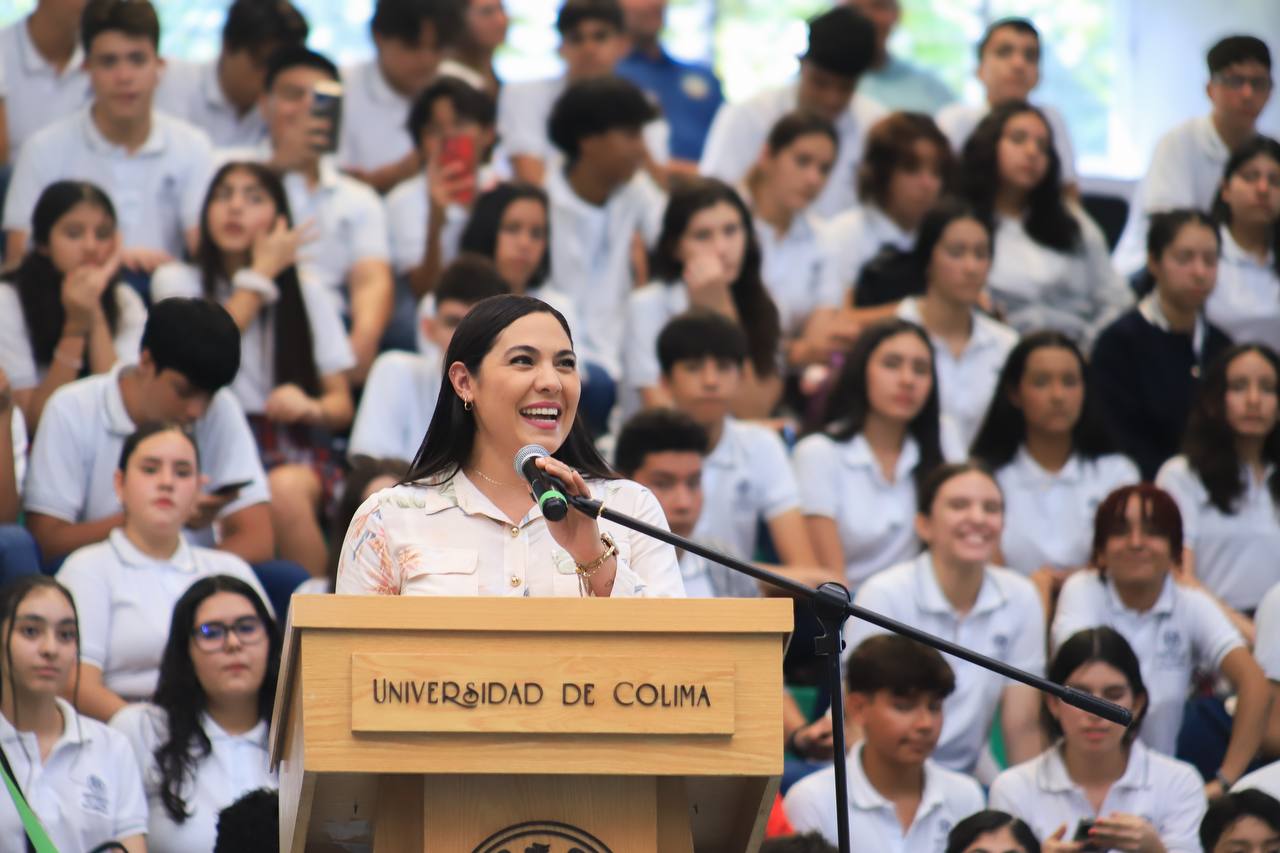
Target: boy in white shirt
[220,96]
[841,49]
[409,37]
[1188,162]
[154,167]
[1009,68]
[349,254]
[400,396]
[900,801]
[42,66]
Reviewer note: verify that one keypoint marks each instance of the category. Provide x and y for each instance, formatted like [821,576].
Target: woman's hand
[578,533]
[446,183]
[1118,831]
[289,404]
[1055,843]
[82,290]
[276,250]
[815,740]
[708,281]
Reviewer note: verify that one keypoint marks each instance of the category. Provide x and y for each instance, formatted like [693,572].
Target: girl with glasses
[202,741]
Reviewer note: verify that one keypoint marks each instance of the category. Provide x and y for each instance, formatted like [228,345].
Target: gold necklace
[489,479]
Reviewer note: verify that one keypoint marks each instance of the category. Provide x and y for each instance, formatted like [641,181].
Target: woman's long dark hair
[294,357]
[1004,429]
[481,232]
[980,823]
[181,697]
[1097,645]
[757,313]
[1210,444]
[1048,220]
[452,433]
[38,281]
[1258,146]
[849,402]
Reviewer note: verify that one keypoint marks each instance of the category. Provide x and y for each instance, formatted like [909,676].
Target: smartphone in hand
[460,148]
[230,488]
[326,102]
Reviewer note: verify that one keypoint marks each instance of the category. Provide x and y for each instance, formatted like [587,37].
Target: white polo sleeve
[1010,793]
[1168,183]
[142,725]
[131,320]
[89,582]
[648,568]
[876,593]
[1183,485]
[58,477]
[197,171]
[646,315]
[1266,646]
[1080,605]
[732,143]
[18,435]
[228,453]
[1026,649]
[32,172]
[810,806]
[817,471]
[1213,636]
[773,469]
[329,343]
[131,814]
[369,223]
[522,120]
[1182,795]
[408,216]
[379,423]
[16,359]
[175,279]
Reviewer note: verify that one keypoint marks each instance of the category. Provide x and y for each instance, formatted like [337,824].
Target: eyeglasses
[1260,83]
[212,636]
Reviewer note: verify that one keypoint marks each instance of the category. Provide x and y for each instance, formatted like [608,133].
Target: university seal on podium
[542,836]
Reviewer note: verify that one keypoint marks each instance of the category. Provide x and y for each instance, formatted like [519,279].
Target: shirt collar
[456,492]
[129,555]
[211,89]
[1149,308]
[728,452]
[864,796]
[380,90]
[885,230]
[157,136]
[34,63]
[256,735]
[1052,776]
[72,732]
[1162,607]
[1233,254]
[1210,142]
[857,454]
[1029,471]
[929,595]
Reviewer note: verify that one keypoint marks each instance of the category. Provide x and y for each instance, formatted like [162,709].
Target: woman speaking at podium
[463,520]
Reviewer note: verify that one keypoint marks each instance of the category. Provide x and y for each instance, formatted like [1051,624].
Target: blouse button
[515,531]
[515,581]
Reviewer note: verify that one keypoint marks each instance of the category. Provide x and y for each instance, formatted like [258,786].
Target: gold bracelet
[610,550]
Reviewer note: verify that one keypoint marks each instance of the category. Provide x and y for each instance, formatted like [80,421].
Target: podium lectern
[494,724]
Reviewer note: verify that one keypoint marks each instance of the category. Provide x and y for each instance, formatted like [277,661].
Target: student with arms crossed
[1098,785]
[954,591]
[124,587]
[900,799]
[62,762]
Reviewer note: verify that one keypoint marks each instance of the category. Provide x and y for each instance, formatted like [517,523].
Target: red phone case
[460,149]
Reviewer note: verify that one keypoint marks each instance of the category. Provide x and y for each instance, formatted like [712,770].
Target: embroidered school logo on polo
[95,795]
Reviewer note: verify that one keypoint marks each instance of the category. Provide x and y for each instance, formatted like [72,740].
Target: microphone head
[527,454]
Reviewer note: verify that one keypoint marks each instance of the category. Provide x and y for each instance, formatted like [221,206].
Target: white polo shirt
[841,481]
[649,309]
[19,363]
[1265,779]
[37,93]
[948,798]
[77,449]
[1036,287]
[1165,792]
[191,91]
[958,121]
[746,479]
[374,116]
[1236,552]
[18,435]
[443,540]
[86,792]
[739,131]
[347,217]
[1183,633]
[1245,302]
[256,379]
[409,216]
[797,271]
[967,382]
[236,765]
[591,257]
[396,407]
[705,579]
[1266,643]
[125,599]
[157,190]
[856,236]
[1185,171]
[1006,623]
[1048,515]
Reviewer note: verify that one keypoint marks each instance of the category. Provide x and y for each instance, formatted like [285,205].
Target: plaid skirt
[298,444]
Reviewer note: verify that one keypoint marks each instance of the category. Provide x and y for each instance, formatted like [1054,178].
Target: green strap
[31,823]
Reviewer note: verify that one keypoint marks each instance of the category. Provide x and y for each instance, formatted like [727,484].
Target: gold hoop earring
[467,406]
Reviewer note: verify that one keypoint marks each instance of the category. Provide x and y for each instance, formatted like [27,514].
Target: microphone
[546,489]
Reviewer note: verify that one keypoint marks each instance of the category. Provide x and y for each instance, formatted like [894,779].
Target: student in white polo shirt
[153,166]
[76,774]
[1174,629]
[900,799]
[42,65]
[409,37]
[220,95]
[953,253]
[202,741]
[879,439]
[1051,268]
[1054,459]
[953,591]
[1186,168]
[1244,821]
[64,308]
[707,259]
[396,406]
[841,49]
[1098,781]
[190,350]
[1245,302]
[1009,68]
[125,587]
[746,477]
[1266,648]
[349,254]
[1225,481]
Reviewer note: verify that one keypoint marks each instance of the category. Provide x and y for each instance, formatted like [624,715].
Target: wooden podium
[493,724]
